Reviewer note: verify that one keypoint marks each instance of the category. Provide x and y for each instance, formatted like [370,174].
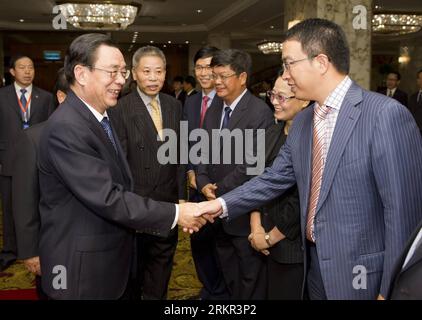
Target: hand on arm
[209,191]
[192,179]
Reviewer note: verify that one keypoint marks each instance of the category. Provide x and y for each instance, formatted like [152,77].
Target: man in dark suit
[87,208]
[415,101]
[26,193]
[356,157]
[392,90]
[178,92]
[21,105]
[141,136]
[406,282]
[189,85]
[239,110]
[203,242]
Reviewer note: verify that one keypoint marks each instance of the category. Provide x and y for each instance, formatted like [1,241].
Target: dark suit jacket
[399,95]
[250,113]
[416,108]
[192,114]
[181,97]
[284,211]
[138,136]
[42,105]
[26,192]
[407,282]
[87,207]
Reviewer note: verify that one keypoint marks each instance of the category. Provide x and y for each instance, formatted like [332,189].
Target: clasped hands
[192,216]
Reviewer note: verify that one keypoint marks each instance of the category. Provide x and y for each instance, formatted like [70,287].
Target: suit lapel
[348,116]
[239,111]
[35,103]
[144,122]
[13,100]
[305,153]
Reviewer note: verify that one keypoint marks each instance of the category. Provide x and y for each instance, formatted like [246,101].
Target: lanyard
[24,109]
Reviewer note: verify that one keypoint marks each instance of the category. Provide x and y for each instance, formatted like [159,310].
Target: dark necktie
[24,106]
[419,99]
[105,123]
[226,119]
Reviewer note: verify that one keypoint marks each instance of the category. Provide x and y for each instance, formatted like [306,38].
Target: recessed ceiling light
[271,27]
[187,42]
[199,11]
[152,41]
[21,20]
[169,41]
[164,46]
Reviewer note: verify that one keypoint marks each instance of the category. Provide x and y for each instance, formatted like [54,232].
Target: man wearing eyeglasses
[140,118]
[21,105]
[356,157]
[242,266]
[88,211]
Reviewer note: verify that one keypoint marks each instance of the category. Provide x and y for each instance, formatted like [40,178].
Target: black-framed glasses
[199,68]
[113,74]
[223,77]
[279,97]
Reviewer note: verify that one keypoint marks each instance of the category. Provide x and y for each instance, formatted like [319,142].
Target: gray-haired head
[147,51]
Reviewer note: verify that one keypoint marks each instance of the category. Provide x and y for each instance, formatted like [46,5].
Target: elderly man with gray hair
[139,119]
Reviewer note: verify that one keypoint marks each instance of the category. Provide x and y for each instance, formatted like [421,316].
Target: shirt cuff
[176,218]
[225,213]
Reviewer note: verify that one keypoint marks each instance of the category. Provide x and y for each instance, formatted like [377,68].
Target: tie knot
[105,121]
[205,99]
[321,111]
[154,103]
[23,91]
[227,110]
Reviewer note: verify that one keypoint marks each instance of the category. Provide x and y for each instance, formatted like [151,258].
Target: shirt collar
[210,95]
[147,99]
[236,101]
[18,89]
[336,97]
[97,115]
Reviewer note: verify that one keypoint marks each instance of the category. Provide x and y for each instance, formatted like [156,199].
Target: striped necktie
[318,164]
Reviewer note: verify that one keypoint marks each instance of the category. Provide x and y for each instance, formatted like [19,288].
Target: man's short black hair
[191,80]
[398,75]
[15,58]
[61,82]
[178,79]
[239,61]
[320,36]
[205,52]
[83,51]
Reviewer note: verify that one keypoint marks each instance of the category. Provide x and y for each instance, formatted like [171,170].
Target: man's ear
[12,72]
[243,78]
[81,75]
[323,62]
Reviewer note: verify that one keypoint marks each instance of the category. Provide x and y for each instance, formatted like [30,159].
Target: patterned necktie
[390,93]
[24,102]
[105,123]
[156,117]
[226,119]
[203,109]
[320,112]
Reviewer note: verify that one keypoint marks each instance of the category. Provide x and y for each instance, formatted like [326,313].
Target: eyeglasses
[288,64]
[280,98]
[199,68]
[223,77]
[113,74]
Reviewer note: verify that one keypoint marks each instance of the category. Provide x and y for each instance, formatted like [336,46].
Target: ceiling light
[21,20]
[169,41]
[271,27]
[187,42]
[103,16]
[199,11]
[152,41]
[270,47]
[396,24]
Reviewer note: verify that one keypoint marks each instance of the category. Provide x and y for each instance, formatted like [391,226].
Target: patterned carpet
[184,283]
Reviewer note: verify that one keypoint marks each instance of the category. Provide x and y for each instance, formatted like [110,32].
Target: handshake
[192,216]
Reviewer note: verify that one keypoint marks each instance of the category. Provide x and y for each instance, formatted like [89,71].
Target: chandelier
[270,47]
[103,16]
[396,24]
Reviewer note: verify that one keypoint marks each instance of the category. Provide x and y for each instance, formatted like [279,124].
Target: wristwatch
[267,239]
